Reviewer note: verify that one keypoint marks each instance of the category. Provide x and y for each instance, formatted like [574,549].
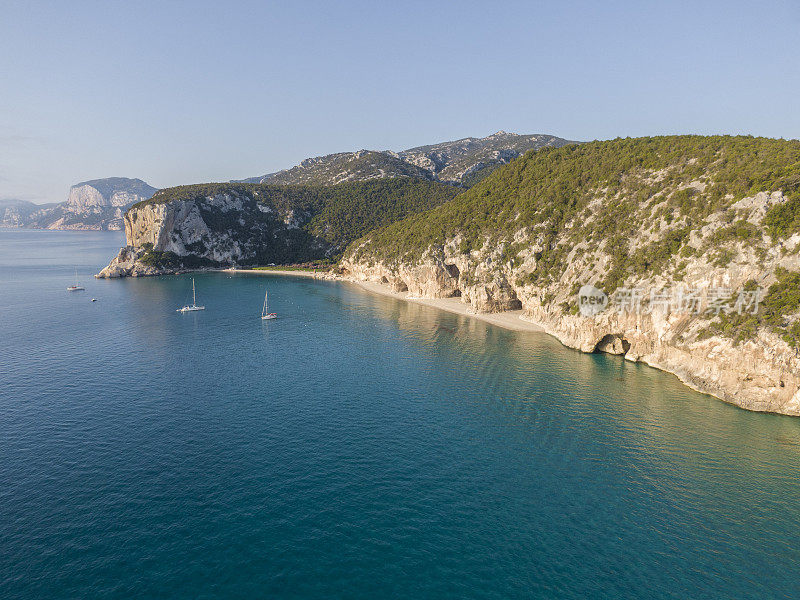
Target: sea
[357,446]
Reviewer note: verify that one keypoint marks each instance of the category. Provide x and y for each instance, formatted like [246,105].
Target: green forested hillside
[547,189]
[350,210]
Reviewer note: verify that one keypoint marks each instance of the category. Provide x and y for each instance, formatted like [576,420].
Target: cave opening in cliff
[384,279]
[613,343]
[402,287]
[452,270]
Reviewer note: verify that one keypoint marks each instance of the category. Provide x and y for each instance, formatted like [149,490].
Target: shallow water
[357,447]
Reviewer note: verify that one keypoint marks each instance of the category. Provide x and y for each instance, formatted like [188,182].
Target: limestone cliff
[221,229]
[210,225]
[693,245]
[759,374]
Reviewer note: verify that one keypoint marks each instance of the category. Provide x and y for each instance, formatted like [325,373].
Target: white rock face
[99,194]
[177,226]
[85,198]
[238,229]
[16,213]
[761,375]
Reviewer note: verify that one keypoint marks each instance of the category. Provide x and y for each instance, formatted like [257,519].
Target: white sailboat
[193,306]
[77,286]
[265,314]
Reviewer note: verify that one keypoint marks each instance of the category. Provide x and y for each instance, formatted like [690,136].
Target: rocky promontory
[240,224]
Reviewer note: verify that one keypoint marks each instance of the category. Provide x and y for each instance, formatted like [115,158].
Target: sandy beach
[509,319]
[311,274]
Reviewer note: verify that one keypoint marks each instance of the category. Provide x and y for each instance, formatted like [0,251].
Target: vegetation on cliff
[778,307]
[359,166]
[170,260]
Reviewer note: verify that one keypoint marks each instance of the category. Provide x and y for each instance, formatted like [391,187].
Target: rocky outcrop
[127,264]
[453,162]
[482,283]
[223,229]
[224,224]
[761,373]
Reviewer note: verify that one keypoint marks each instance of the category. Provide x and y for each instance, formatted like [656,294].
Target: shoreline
[510,319]
[516,320]
[310,274]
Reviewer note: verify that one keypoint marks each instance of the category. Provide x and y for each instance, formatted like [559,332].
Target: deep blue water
[357,447]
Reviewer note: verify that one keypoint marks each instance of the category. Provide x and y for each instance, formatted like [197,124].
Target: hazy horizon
[172,96]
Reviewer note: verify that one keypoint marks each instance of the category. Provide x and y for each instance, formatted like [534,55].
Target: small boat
[94,299]
[77,287]
[265,314]
[193,306]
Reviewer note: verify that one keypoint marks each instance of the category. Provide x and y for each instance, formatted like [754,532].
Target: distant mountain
[454,162]
[461,162]
[15,213]
[14,203]
[95,204]
[363,165]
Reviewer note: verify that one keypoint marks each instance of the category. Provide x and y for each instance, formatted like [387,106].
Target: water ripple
[359,447]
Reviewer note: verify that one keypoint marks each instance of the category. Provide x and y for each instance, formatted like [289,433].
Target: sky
[187,92]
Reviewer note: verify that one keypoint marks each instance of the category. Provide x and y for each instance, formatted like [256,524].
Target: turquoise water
[357,447]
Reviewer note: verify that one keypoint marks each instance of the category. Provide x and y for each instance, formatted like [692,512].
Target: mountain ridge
[449,162]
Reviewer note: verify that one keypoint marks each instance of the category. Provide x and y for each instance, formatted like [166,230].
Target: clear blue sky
[208,91]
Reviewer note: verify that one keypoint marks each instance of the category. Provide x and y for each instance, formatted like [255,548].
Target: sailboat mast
[194,296]
[265,314]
